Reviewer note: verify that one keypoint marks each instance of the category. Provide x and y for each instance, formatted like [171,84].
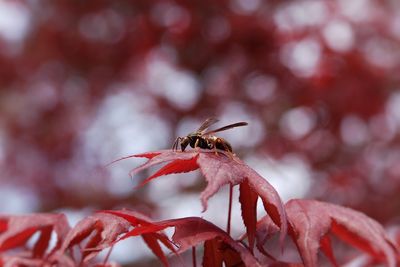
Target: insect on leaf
[219,170]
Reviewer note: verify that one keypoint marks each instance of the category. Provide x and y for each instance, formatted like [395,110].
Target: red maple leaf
[192,231]
[152,239]
[91,235]
[221,169]
[311,221]
[265,228]
[99,231]
[16,230]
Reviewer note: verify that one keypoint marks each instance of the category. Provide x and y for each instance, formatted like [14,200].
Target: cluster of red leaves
[309,223]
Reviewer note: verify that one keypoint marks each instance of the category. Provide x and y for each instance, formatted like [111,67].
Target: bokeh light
[82,84]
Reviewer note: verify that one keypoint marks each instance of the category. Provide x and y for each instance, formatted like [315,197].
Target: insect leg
[175,145]
[196,144]
[214,146]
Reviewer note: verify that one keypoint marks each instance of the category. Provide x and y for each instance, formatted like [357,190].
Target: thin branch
[228,227]
[194,256]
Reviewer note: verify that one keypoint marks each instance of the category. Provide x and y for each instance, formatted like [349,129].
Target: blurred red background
[83,83]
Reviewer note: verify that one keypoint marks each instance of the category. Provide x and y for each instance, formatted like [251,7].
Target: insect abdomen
[223,145]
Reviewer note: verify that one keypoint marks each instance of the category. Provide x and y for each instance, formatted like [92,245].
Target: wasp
[202,138]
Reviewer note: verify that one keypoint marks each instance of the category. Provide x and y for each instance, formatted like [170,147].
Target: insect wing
[227,127]
[207,123]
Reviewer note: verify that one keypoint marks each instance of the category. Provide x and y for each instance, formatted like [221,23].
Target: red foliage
[312,221]
[220,170]
[315,79]
[71,59]
[152,238]
[17,230]
[310,225]
[99,231]
[90,236]
[248,200]
[191,231]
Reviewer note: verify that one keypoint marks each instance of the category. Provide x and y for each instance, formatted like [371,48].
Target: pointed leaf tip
[176,166]
[148,155]
[248,200]
[163,157]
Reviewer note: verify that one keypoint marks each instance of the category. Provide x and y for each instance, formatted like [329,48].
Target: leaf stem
[194,256]
[228,227]
[108,255]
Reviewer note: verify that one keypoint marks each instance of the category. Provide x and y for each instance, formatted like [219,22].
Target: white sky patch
[188,125]
[218,210]
[297,15]
[291,176]
[124,127]
[361,260]
[170,185]
[380,52]
[353,130]
[179,206]
[129,250]
[297,122]
[393,108]
[187,205]
[259,87]
[339,35]
[302,57]
[75,215]
[179,87]
[395,26]
[357,10]
[245,6]
[17,201]
[14,21]
[3,141]
[246,136]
